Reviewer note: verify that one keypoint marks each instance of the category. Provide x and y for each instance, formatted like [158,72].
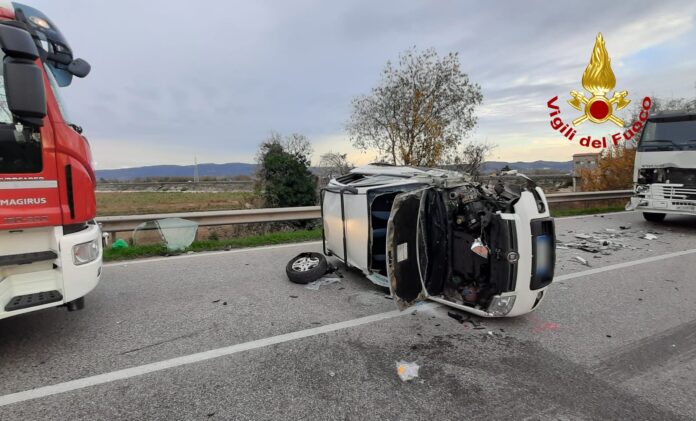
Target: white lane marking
[598,215]
[127,373]
[623,265]
[31,184]
[211,253]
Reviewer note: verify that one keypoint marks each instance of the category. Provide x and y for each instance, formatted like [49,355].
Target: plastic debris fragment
[119,244]
[406,370]
[650,237]
[479,248]
[581,260]
[314,286]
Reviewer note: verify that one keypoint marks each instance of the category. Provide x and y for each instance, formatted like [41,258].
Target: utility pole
[196,178]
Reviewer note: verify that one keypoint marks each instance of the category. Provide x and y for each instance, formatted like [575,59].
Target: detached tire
[654,217]
[306,267]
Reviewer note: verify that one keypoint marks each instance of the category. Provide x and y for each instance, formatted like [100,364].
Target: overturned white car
[433,234]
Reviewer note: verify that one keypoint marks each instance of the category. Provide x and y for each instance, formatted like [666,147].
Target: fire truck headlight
[39,22]
[85,252]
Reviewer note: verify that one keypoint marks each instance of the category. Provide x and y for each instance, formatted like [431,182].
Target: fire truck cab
[50,246]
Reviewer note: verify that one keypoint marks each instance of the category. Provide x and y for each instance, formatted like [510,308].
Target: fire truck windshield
[5,114]
[56,92]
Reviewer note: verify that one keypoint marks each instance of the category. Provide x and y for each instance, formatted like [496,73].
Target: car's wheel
[654,217]
[306,268]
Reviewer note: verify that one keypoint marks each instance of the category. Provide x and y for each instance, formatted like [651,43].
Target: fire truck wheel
[306,267]
[654,217]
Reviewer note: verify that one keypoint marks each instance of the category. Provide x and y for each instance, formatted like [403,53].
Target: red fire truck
[50,246]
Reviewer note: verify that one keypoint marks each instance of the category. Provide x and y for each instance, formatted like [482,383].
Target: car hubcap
[304,264]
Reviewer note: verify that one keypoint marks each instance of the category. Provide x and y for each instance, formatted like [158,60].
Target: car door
[406,254]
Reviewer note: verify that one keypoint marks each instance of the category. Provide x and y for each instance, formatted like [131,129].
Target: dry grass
[138,203]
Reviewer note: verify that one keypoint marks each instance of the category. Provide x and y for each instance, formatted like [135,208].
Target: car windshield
[669,134]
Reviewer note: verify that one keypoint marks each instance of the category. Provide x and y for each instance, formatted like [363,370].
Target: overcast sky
[173,79]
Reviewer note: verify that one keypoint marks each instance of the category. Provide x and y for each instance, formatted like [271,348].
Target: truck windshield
[20,151]
[669,135]
[51,72]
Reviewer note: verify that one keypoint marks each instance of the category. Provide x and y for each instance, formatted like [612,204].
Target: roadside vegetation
[587,211]
[138,203]
[284,237]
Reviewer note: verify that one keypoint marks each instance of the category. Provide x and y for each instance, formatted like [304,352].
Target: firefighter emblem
[599,79]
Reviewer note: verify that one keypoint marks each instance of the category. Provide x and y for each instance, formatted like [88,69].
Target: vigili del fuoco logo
[598,107]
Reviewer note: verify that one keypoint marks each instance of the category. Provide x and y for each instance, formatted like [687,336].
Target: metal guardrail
[249,216]
[246,216]
[588,196]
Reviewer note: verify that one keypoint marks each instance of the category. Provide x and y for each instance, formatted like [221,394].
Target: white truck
[664,175]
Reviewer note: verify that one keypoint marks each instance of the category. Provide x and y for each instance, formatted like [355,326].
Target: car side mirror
[79,68]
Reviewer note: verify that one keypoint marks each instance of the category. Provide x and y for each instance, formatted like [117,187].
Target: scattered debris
[332,374]
[388,297]
[649,236]
[314,286]
[581,260]
[216,301]
[625,227]
[294,296]
[406,370]
[119,244]
[456,316]
[224,303]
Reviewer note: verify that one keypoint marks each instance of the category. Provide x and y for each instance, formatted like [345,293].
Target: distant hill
[204,170]
[561,167]
[239,168]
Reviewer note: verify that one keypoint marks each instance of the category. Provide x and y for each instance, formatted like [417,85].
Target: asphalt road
[226,336]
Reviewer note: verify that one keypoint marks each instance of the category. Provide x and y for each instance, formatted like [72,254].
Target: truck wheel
[654,217]
[76,305]
[306,267]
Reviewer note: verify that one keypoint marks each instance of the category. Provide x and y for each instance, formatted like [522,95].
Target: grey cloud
[219,75]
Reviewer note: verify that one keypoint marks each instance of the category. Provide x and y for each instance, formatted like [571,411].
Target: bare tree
[334,164]
[299,145]
[471,157]
[295,144]
[420,111]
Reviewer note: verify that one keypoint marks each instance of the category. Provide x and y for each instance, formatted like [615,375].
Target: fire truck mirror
[79,68]
[17,43]
[24,89]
